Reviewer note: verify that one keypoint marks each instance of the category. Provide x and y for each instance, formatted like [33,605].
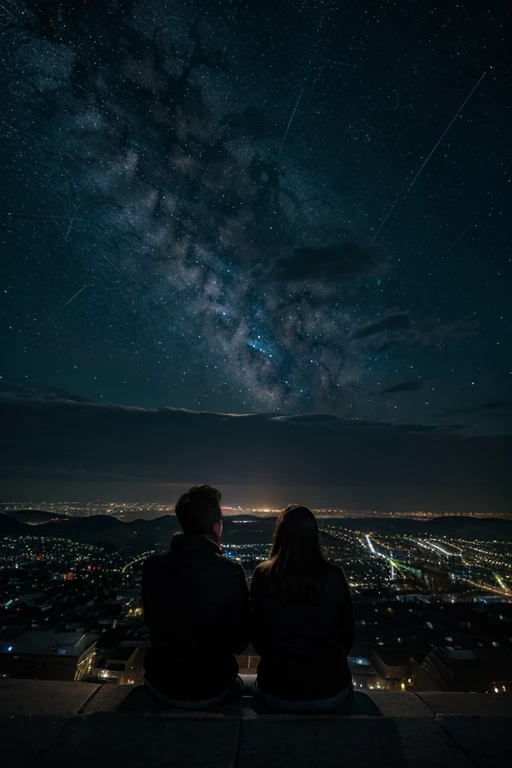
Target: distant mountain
[95,522]
[108,531]
[472,527]
[101,530]
[248,523]
[33,516]
[448,525]
[166,523]
[11,527]
[246,535]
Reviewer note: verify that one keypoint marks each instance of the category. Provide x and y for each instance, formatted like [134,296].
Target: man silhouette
[196,604]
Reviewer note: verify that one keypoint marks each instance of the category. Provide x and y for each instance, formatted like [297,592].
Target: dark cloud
[336,262]
[65,439]
[336,422]
[439,332]
[43,391]
[433,333]
[55,473]
[393,321]
[493,405]
[406,386]
[398,327]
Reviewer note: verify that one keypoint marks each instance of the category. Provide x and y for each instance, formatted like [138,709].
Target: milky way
[198,207]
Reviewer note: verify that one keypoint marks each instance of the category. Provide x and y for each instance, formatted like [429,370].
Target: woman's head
[296,528]
[296,566]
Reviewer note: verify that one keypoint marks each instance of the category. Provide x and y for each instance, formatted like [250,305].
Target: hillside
[108,531]
[33,516]
[101,530]
[11,527]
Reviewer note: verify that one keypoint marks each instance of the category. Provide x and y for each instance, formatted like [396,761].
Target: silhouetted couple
[298,615]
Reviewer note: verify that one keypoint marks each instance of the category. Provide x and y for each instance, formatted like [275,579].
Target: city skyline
[71,605]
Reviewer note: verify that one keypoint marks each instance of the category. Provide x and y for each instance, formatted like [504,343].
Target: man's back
[196,606]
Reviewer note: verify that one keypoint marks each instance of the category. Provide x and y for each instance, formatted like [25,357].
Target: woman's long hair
[296,568]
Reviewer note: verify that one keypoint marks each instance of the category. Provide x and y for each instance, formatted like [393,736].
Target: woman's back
[302,620]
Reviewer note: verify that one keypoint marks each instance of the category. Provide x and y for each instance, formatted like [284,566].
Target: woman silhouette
[302,621]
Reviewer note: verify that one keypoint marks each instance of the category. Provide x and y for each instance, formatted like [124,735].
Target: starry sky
[279,208]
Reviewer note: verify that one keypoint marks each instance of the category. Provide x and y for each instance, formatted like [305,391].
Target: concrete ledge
[43,697]
[487,741]
[33,714]
[480,704]
[46,723]
[404,704]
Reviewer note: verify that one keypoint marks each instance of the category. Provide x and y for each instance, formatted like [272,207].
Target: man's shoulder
[155,561]
[230,566]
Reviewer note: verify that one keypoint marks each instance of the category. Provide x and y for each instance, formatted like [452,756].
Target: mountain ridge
[107,530]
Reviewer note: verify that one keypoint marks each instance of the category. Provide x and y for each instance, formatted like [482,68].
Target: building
[362,672]
[437,579]
[393,665]
[480,670]
[124,663]
[49,654]
[116,667]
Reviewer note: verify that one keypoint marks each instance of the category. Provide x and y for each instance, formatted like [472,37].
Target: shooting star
[457,240]
[69,228]
[69,301]
[74,297]
[290,121]
[386,217]
[308,69]
[413,182]
[438,142]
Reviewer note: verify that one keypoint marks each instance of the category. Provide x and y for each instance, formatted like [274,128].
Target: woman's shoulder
[333,568]
[259,581]
[336,575]
[261,570]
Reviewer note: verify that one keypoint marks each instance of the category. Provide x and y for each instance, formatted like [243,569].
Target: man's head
[199,512]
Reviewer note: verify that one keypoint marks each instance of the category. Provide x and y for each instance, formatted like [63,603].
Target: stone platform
[51,724]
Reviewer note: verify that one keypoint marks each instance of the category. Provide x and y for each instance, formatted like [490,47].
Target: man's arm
[240,617]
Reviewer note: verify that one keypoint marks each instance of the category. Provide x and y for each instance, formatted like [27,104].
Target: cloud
[451,331]
[406,386]
[493,405]
[399,327]
[70,440]
[43,391]
[393,321]
[335,422]
[335,262]
[69,475]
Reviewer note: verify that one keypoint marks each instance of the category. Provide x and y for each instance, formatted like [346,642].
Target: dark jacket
[196,604]
[303,647]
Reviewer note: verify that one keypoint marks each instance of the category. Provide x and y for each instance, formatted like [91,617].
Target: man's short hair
[199,509]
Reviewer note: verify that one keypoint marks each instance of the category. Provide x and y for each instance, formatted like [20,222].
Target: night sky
[271,208]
